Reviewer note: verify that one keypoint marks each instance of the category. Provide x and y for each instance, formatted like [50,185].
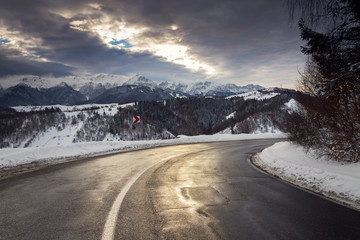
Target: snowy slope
[110,108]
[231,115]
[294,164]
[257,95]
[293,106]
[55,136]
[264,121]
[255,124]
[67,133]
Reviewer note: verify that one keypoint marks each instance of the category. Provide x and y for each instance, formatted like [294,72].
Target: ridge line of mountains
[137,88]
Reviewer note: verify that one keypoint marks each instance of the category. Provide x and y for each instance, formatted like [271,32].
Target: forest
[159,119]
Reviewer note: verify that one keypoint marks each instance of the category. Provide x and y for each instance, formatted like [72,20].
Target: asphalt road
[201,191]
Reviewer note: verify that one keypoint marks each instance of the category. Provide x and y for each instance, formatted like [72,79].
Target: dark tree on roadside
[332,74]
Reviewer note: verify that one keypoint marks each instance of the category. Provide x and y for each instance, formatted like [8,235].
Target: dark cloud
[234,36]
[18,67]
[11,63]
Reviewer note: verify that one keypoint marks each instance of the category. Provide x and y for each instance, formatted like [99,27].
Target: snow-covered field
[10,157]
[290,162]
[257,95]
[109,108]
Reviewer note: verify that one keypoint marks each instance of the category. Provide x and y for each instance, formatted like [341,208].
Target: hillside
[31,126]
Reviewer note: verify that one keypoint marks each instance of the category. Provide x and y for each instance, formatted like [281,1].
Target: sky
[228,41]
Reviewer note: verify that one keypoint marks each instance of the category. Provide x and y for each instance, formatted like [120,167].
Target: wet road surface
[200,191]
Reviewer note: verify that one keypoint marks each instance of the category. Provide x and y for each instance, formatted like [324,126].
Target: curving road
[200,191]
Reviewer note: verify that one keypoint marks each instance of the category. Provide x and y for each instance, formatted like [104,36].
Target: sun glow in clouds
[174,27]
[107,29]
[121,35]
[175,53]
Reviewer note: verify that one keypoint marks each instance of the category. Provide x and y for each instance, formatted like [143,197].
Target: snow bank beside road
[10,157]
[290,162]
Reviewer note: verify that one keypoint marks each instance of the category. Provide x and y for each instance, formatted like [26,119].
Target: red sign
[136,119]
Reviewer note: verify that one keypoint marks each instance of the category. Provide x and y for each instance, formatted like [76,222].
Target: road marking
[110,224]
[109,228]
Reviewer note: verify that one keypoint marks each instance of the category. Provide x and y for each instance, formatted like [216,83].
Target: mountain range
[107,89]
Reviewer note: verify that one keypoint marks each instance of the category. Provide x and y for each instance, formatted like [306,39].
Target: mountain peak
[140,80]
[63,84]
[139,77]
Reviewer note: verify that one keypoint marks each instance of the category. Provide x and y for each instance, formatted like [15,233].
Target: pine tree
[333,75]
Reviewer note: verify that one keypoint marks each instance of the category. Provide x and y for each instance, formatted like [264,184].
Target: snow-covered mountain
[106,88]
[181,87]
[92,90]
[140,80]
[106,80]
[208,88]
[132,93]
[215,89]
[22,94]
[205,88]
[76,82]
[91,84]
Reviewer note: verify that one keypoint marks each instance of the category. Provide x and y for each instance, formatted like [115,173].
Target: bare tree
[332,73]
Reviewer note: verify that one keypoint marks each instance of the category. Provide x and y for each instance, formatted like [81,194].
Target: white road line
[109,228]
[110,225]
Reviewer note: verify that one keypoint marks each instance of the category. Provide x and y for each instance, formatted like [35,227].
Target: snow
[10,157]
[293,106]
[108,80]
[140,81]
[109,109]
[257,95]
[226,131]
[66,134]
[267,128]
[55,137]
[337,181]
[231,115]
[180,96]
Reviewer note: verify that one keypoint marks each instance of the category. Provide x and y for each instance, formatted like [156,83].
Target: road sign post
[136,119]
